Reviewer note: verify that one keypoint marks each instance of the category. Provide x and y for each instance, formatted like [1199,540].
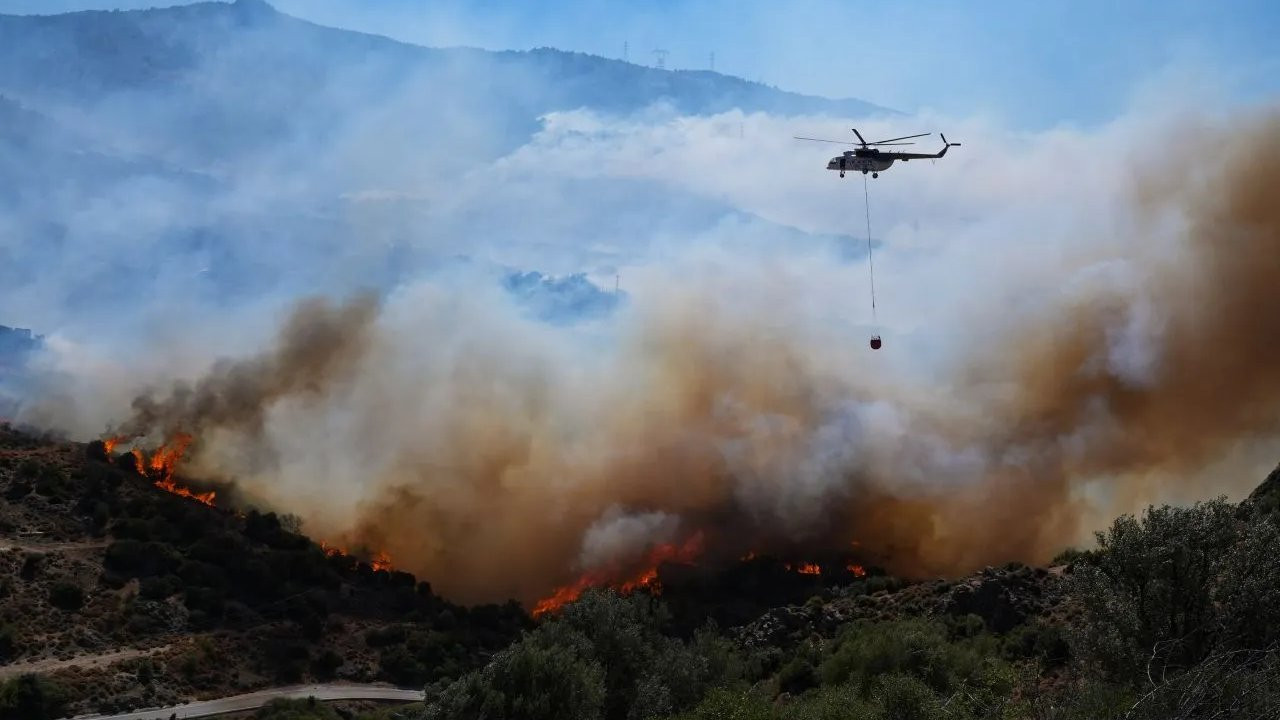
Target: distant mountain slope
[226,151]
[85,54]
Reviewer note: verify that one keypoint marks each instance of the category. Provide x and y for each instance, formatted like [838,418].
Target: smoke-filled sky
[1076,322]
[1030,64]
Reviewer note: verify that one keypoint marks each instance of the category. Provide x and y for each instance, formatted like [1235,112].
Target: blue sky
[1032,64]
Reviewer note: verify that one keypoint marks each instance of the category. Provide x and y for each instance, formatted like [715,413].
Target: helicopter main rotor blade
[891,143]
[904,137]
[837,142]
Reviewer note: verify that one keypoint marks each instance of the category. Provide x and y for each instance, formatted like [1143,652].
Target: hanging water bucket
[875,342]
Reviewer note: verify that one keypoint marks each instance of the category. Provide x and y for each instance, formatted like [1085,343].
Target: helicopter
[870,159]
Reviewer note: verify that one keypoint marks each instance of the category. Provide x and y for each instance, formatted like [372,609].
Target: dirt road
[51,664]
[253,700]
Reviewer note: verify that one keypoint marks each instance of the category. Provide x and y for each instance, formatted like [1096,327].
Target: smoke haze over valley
[376,283]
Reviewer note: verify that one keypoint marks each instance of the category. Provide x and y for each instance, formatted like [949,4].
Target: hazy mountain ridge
[239,148]
[158,47]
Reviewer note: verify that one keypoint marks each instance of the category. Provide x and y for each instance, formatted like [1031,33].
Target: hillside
[128,595]
[212,80]
[228,152]
[125,589]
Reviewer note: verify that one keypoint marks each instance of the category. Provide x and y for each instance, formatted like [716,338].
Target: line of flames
[380,561]
[646,579]
[162,464]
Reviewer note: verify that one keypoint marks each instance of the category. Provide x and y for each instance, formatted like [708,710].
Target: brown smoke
[495,470]
[318,347]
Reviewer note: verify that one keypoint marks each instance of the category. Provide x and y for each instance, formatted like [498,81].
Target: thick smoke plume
[318,348]
[498,462]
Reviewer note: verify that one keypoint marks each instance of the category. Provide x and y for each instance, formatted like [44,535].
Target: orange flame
[165,460]
[381,561]
[645,579]
[751,555]
[805,568]
[857,570]
[163,464]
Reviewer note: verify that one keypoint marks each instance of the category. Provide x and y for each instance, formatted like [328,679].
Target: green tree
[534,679]
[1171,589]
[31,697]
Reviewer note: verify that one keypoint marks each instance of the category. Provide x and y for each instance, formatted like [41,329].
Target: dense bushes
[308,709]
[1182,607]
[31,697]
[615,661]
[66,596]
[1179,617]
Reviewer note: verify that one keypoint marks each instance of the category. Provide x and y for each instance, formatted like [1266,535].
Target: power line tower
[661,56]
[713,61]
[626,50]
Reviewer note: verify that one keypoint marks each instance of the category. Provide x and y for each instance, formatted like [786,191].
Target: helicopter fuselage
[856,162]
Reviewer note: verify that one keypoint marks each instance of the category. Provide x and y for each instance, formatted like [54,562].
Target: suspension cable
[866,196]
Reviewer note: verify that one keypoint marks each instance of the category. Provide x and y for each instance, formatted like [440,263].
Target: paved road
[254,700]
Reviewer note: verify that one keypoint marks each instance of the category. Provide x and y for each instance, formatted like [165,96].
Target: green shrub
[66,596]
[31,697]
[903,697]
[1175,587]
[326,665]
[8,643]
[31,564]
[797,676]
[532,680]
[299,709]
[731,704]
[1039,640]
[1069,556]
